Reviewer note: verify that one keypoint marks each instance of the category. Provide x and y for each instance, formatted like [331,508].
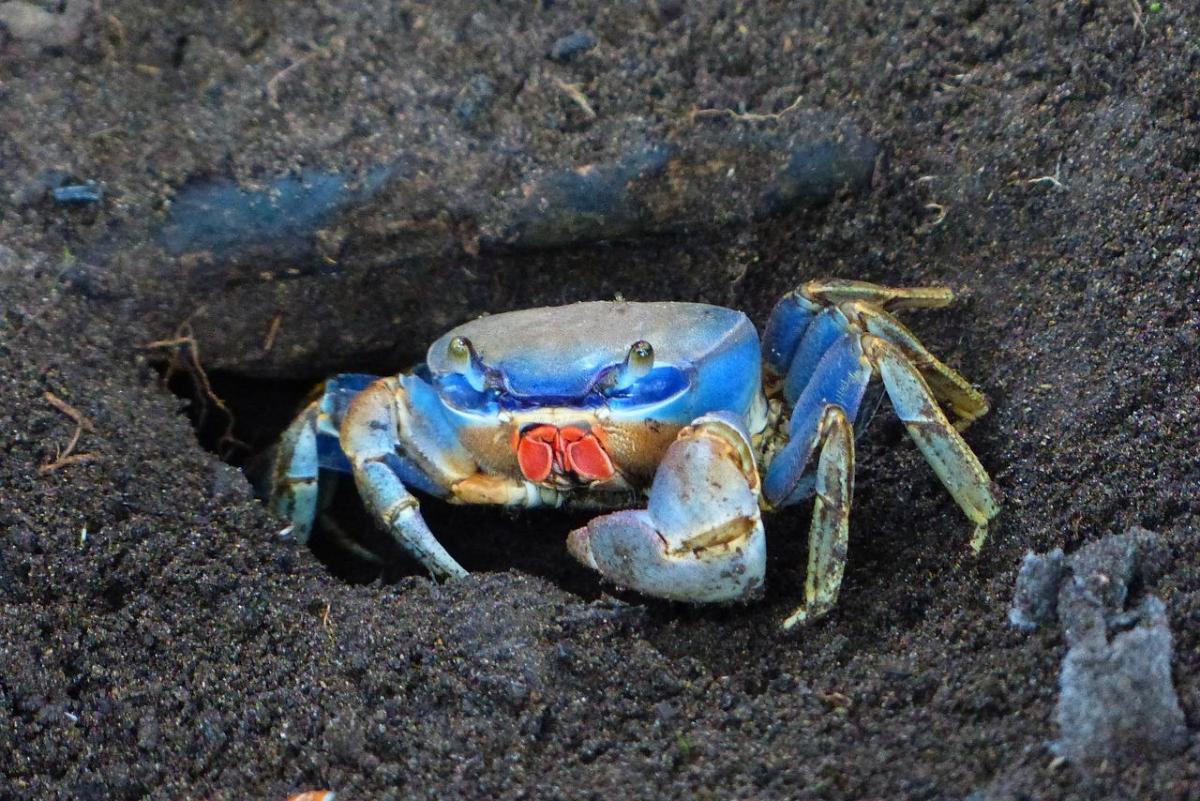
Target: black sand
[157,638]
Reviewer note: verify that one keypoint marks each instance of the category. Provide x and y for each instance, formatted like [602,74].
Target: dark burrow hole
[239,418]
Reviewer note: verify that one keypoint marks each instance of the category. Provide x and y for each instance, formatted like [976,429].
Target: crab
[670,417]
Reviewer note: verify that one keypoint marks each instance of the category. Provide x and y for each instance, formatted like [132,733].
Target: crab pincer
[700,538]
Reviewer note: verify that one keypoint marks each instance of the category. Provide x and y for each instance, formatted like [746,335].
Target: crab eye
[638,362]
[641,357]
[460,351]
[465,361]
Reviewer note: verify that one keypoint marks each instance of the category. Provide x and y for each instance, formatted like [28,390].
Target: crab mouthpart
[583,454]
[536,452]
[543,449]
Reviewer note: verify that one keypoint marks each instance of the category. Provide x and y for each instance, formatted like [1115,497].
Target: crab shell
[550,410]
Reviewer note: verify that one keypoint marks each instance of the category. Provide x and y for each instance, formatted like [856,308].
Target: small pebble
[1035,599]
[78,194]
[475,97]
[571,45]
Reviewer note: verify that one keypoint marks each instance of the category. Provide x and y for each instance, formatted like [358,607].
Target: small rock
[27,22]
[1117,701]
[147,733]
[228,483]
[1100,574]
[1104,568]
[1035,600]
[571,45]
[475,98]
[1085,589]
[80,194]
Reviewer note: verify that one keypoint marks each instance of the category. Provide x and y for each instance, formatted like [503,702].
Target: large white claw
[700,539]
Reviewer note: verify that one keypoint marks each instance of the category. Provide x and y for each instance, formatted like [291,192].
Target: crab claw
[700,539]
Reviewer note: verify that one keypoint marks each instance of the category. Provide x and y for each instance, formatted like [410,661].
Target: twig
[67,455]
[185,340]
[70,444]
[328,625]
[272,332]
[1053,180]
[68,410]
[112,45]
[336,46]
[1047,179]
[277,78]
[1139,23]
[941,215]
[63,461]
[572,91]
[744,116]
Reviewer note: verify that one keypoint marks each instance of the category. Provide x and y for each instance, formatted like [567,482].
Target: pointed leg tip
[447,573]
[579,546]
[978,538]
[809,613]
[797,618]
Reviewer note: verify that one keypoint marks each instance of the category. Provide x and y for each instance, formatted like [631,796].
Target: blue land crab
[672,414]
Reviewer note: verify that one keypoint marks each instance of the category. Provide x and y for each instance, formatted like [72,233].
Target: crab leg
[292,484]
[839,379]
[826,329]
[822,423]
[829,532]
[787,324]
[836,292]
[300,473]
[795,311]
[829,339]
[947,385]
[370,438]
[700,538]
[951,458]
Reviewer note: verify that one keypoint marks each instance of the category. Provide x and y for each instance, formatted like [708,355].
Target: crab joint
[543,449]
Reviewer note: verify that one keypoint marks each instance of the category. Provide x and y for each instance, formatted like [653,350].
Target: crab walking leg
[827,328]
[700,538]
[840,379]
[830,529]
[951,458]
[786,326]
[948,386]
[835,292]
[292,486]
[370,438]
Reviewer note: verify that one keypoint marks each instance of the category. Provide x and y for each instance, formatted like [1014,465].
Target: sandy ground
[159,639]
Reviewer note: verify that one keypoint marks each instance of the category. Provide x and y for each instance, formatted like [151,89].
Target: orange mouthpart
[571,449]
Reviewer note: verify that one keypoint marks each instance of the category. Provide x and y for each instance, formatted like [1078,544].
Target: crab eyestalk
[638,363]
[466,362]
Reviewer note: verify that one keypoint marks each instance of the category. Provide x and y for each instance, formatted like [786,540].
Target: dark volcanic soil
[158,638]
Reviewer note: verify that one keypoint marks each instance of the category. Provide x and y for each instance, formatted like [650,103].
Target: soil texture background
[159,638]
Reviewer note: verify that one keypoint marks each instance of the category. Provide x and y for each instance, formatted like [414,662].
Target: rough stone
[1117,701]
[1035,600]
